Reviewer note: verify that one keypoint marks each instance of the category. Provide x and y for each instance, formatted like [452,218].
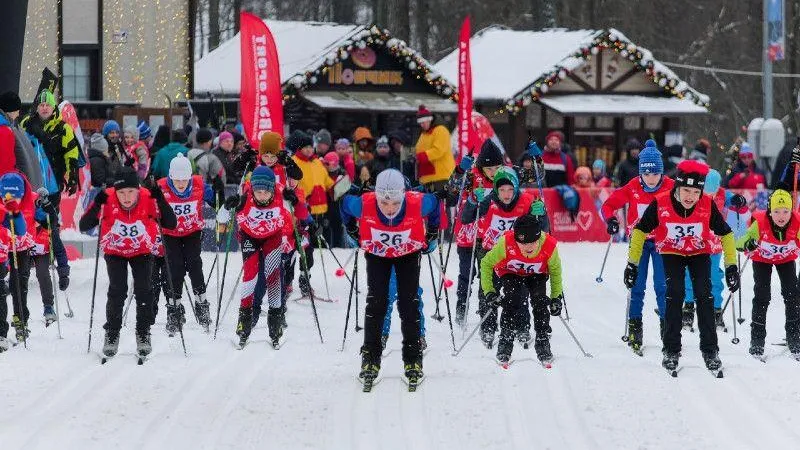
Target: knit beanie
[9,101]
[650,159]
[12,186]
[271,143]
[506,175]
[331,158]
[424,114]
[780,199]
[390,185]
[144,130]
[691,173]
[133,131]
[297,140]
[527,229]
[490,155]
[745,149]
[599,164]
[47,97]
[180,168]
[227,135]
[126,178]
[323,136]
[109,126]
[262,179]
[98,142]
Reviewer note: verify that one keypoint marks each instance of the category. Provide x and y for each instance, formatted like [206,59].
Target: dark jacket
[626,171]
[100,168]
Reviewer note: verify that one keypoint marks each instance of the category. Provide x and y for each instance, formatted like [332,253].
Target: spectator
[160,168]
[322,142]
[628,168]
[16,149]
[145,134]
[526,172]
[315,182]
[599,174]
[583,177]
[345,152]
[400,143]
[227,155]
[116,149]
[435,162]
[161,139]
[384,158]
[558,166]
[673,154]
[745,174]
[137,151]
[334,233]
[205,163]
[700,152]
[365,144]
[100,170]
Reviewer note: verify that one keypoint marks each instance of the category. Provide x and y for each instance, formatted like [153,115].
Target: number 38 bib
[392,241]
[683,235]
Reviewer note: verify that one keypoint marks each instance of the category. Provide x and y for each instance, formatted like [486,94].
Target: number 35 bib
[683,235]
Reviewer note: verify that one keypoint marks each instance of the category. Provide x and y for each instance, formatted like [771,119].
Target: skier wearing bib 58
[682,222]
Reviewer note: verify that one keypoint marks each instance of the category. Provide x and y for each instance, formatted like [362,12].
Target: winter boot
[542,347]
[203,311]
[793,339]
[504,348]
[49,315]
[413,369]
[175,318]
[487,337]
[688,315]
[245,325]
[524,337]
[712,360]
[423,344]
[21,328]
[756,349]
[718,320]
[5,344]
[305,285]
[111,343]
[670,361]
[370,366]
[274,320]
[143,345]
[635,333]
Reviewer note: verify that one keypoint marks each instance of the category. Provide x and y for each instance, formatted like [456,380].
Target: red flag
[465,132]
[260,97]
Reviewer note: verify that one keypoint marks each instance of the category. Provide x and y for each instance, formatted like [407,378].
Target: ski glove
[534,150]
[555,305]
[750,245]
[433,240]
[101,198]
[479,195]
[732,278]
[234,202]
[46,205]
[631,273]
[466,163]
[537,208]
[283,158]
[72,179]
[352,234]
[492,299]
[796,155]
[612,226]
[738,201]
[290,196]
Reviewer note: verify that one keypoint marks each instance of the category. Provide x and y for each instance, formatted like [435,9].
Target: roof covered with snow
[619,104]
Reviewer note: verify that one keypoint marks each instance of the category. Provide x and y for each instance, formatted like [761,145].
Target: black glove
[283,158]
[46,205]
[290,196]
[556,304]
[150,184]
[750,245]
[72,179]
[101,197]
[63,277]
[233,202]
[732,278]
[738,201]
[314,230]
[492,299]
[441,194]
[612,226]
[631,273]
[352,231]
[217,185]
[796,155]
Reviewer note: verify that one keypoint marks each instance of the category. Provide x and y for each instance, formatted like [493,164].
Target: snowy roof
[517,67]
[300,46]
[618,104]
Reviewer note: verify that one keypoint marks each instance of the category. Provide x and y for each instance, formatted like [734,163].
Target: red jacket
[633,195]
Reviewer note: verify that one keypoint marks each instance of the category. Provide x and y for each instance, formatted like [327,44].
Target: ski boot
[524,337]
[460,313]
[487,337]
[274,320]
[143,345]
[635,335]
[245,325]
[49,315]
[21,329]
[793,342]
[370,367]
[305,286]
[384,340]
[5,344]
[283,317]
[414,374]
[670,361]
[718,320]
[111,343]
[713,363]
[662,324]
[687,316]
[423,344]
[203,311]
[504,348]
[542,347]
[175,318]
[757,349]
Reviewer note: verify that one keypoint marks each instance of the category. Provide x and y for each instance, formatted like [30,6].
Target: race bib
[676,231]
[502,223]
[184,209]
[518,266]
[128,230]
[391,238]
[777,250]
[263,214]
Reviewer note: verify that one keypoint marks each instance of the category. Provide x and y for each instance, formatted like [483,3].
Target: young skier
[40,260]
[497,212]
[129,217]
[637,194]
[390,226]
[185,194]
[772,240]
[5,248]
[682,222]
[520,263]
[263,222]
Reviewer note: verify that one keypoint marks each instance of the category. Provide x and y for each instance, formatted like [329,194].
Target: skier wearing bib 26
[390,226]
[772,240]
[520,263]
[185,194]
[682,222]
[496,213]
[637,194]
[263,222]
[128,229]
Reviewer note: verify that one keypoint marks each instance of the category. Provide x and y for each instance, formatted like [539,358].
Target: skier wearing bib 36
[682,222]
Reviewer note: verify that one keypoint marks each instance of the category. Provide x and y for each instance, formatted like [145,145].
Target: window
[77,80]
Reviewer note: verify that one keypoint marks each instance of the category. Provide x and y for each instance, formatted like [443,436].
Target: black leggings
[762,278]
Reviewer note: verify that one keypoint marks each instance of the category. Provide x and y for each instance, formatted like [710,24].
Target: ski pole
[171,286]
[448,283]
[69,314]
[355,279]
[340,272]
[324,270]
[436,315]
[574,338]
[304,269]
[191,301]
[233,293]
[472,264]
[599,278]
[738,263]
[94,282]
[347,315]
[730,295]
[447,302]
[472,333]
[627,313]
[21,315]
[735,339]
[127,306]
[53,269]
[452,226]
[228,233]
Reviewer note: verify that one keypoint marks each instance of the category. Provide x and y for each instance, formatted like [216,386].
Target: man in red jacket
[745,175]
[558,166]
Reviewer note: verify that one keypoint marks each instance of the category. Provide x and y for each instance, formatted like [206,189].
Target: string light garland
[374,37]
[38,50]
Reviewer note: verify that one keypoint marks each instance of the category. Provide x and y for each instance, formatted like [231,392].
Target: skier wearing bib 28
[520,263]
[637,195]
[390,226]
[682,222]
[128,229]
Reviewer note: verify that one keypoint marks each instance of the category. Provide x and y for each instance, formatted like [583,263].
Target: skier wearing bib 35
[682,222]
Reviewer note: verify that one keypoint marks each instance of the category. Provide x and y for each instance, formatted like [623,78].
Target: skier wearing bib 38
[682,222]
[389,224]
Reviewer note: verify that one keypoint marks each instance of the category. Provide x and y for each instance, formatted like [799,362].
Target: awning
[621,105]
[405,102]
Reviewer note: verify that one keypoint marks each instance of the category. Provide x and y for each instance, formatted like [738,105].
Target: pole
[22,319]
[349,304]
[324,270]
[599,278]
[436,315]
[53,275]
[627,313]
[94,282]
[575,338]
[767,65]
[355,279]
[172,293]
[472,333]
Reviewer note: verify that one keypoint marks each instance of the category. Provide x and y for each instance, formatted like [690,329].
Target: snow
[572,104]
[306,394]
[300,44]
[379,101]
[506,61]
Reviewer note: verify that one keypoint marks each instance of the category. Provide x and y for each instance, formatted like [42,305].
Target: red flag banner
[260,97]
[465,131]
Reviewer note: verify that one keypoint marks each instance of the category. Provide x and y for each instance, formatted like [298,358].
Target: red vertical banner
[260,97]
[465,132]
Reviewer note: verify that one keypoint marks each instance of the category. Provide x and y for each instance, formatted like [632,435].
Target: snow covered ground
[306,395]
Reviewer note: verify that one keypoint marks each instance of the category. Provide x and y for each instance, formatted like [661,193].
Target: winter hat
[527,229]
[263,179]
[506,175]
[126,178]
[745,149]
[633,143]
[237,137]
[423,114]
[133,131]
[713,180]
[179,136]
[203,135]
[362,133]
[383,141]
[343,142]
[650,159]
[47,97]
[227,135]
[331,158]
[9,101]
[323,136]
[297,140]
[702,146]
[144,130]
[691,173]
[599,164]
[585,171]
[400,136]
[180,168]
[780,199]
[490,155]
[109,126]
[271,143]
[390,185]
[12,185]
[98,142]
[554,134]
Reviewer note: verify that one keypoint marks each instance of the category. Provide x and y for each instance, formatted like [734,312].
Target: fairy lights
[40,49]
